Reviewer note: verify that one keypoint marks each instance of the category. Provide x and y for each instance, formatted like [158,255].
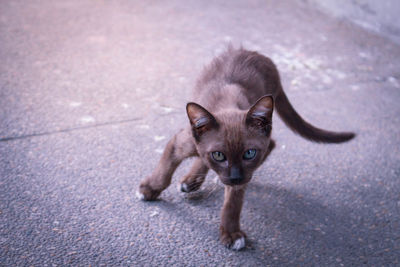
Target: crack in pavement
[25,136]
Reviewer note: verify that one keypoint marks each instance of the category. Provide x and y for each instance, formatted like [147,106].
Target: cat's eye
[218,156]
[249,154]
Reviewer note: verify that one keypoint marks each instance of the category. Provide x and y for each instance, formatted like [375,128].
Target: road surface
[91,91]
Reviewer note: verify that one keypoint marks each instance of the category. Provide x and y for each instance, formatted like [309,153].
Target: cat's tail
[296,123]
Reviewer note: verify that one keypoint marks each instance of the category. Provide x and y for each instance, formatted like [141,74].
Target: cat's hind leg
[178,148]
[195,178]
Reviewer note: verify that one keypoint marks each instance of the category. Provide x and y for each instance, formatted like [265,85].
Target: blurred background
[91,91]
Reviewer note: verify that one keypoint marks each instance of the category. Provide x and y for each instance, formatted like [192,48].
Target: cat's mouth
[233,182]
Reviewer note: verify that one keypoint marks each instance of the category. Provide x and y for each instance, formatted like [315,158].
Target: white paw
[238,244]
[183,187]
[139,195]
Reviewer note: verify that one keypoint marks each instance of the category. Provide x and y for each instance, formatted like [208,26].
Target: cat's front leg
[178,148]
[195,178]
[230,233]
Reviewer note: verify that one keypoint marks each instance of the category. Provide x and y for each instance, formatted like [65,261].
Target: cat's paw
[189,187]
[139,195]
[235,241]
[147,193]
[238,244]
[183,187]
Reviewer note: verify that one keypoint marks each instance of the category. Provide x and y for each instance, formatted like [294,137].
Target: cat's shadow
[277,218]
[288,219]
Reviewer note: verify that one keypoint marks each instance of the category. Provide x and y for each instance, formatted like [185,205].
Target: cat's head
[233,143]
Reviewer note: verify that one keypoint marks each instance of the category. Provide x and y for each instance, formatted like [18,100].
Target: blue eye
[249,154]
[218,156]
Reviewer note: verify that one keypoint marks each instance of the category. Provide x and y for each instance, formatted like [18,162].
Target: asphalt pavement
[91,91]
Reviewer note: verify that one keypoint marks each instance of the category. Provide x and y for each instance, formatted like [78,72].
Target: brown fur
[235,98]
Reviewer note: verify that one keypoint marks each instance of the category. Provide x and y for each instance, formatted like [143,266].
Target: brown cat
[230,131]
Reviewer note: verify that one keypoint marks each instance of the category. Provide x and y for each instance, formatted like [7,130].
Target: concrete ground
[91,91]
[381,17]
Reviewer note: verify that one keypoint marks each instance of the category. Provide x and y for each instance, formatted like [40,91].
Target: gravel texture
[91,91]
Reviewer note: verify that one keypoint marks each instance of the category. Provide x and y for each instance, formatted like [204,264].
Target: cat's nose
[235,175]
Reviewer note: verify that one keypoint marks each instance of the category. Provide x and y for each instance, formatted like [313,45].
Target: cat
[230,133]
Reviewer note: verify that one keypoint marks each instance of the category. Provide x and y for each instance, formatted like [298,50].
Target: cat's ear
[259,115]
[200,119]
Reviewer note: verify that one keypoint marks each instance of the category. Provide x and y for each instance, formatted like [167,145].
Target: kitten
[230,133]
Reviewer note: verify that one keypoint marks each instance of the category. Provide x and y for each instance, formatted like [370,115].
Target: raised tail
[296,123]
